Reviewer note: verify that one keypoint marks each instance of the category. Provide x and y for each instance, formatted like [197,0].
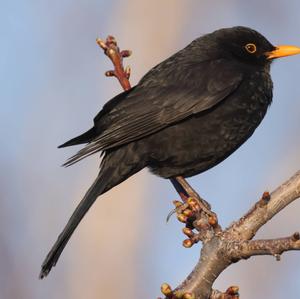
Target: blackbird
[186,115]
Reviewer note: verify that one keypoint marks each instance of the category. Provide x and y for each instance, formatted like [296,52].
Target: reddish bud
[188,296]
[266,196]
[177,203]
[212,220]
[188,213]
[101,43]
[188,243]
[178,294]
[188,232]
[111,40]
[192,201]
[126,53]
[109,73]
[166,289]
[296,236]
[182,218]
[233,290]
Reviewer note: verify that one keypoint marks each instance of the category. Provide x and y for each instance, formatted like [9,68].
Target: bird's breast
[202,141]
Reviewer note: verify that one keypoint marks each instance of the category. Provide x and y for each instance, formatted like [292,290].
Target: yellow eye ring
[251,48]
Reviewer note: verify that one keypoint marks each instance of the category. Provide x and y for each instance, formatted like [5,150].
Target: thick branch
[220,251]
[266,209]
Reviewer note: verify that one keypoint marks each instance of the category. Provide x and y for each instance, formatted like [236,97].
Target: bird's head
[247,45]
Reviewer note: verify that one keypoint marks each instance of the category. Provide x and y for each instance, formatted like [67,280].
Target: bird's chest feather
[213,135]
[243,111]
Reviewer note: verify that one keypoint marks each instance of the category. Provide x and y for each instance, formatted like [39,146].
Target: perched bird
[186,115]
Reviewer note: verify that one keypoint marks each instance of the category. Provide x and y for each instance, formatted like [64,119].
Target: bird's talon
[179,208]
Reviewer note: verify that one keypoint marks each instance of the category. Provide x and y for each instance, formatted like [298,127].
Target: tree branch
[275,247]
[266,208]
[220,247]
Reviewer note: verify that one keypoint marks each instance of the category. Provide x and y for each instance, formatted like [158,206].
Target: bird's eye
[251,48]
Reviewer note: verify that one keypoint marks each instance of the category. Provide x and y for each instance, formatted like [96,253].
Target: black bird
[186,115]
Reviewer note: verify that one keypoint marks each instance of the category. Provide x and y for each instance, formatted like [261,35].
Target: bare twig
[275,247]
[220,248]
[112,50]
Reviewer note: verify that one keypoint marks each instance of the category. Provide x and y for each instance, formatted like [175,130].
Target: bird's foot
[195,216]
[189,208]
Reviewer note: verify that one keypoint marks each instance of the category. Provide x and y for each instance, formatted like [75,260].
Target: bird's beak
[281,51]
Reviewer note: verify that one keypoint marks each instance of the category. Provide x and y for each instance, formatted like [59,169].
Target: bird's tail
[83,138]
[115,169]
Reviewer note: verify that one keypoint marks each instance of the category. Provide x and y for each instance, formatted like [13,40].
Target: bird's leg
[195,212]
[185,191]
[179,206]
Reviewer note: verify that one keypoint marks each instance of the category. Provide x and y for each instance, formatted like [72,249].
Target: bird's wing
[154,105]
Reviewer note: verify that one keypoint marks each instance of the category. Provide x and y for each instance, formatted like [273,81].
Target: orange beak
[281,51]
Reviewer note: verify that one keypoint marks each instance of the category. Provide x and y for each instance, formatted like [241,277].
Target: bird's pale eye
[251,48]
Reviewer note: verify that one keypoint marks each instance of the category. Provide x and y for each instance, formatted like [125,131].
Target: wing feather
[152,107]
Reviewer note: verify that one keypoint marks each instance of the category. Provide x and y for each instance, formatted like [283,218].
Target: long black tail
[115,169]
[83,138]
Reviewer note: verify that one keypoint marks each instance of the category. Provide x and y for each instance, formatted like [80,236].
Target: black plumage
[185,116]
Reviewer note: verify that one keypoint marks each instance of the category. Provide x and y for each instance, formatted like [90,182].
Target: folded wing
[157,102]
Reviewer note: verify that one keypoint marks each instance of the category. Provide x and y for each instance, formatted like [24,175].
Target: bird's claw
[187,212]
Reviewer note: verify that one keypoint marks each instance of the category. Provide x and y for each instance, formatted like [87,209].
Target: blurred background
[52,85]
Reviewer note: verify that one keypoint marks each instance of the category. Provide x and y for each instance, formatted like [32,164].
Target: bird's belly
[203,141]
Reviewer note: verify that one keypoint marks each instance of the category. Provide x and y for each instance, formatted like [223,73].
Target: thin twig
[116,56]
[275,247]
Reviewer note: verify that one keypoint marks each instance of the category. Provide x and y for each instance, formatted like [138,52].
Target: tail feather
[94,191]
[83,138]
[115,168]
